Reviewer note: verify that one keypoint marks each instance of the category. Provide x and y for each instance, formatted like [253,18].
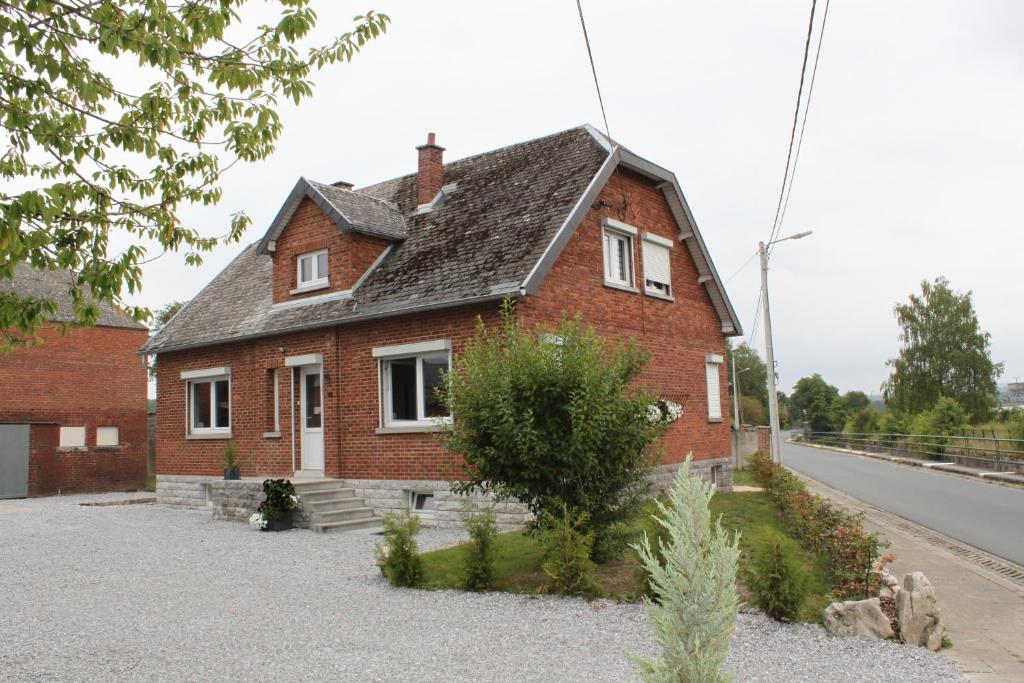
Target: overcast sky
[912,164]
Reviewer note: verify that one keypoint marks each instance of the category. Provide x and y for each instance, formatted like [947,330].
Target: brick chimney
[430,176]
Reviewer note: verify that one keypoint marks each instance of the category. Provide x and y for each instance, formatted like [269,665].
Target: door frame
[306,371]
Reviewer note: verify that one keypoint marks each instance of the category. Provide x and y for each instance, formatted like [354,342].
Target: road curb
[1000,478]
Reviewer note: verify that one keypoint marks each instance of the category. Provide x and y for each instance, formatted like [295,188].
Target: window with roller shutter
[711,368]
[657,268]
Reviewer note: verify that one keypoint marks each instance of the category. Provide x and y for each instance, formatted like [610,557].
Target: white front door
[312,418]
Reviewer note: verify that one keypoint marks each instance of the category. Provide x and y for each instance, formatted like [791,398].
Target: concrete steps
[332,506]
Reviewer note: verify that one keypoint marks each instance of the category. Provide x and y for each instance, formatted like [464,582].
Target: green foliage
[817,401]
[399,559]
[553,418]
[483,533]
[775,578]
[163,315]
[752,411]
[863,421]
[693,577]
[823,528]
[943,353]
[853,401]
[568,545]
[87,159]
[946,418]
[231,457]
[893,422]
[1015,425]
[751,373]
[279,498]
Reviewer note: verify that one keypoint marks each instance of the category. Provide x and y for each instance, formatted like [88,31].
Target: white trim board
[206,372]
[412,349]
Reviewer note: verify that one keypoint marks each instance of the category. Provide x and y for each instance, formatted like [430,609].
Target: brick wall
[89,377]
[310,229]
[679,334]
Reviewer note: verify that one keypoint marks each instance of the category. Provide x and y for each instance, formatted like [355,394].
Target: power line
[803,123]
[593,70]
[796,119]
[741,268]
[757,316]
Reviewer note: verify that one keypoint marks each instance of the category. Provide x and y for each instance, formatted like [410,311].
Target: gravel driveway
[144,593]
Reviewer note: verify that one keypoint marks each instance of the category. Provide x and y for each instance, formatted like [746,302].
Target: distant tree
[855,400]
[751,371]
[89,156]
[163,315]
[817,400]
[753,411]
[943,353]
[863,421]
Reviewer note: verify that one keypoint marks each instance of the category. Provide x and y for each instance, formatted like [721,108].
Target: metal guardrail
[1000,455]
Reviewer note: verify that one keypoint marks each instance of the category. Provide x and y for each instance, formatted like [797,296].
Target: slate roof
[485,240]
[53,285]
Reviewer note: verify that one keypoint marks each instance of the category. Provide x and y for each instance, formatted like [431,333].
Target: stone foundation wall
[393,496]
[182,491]
[663,475]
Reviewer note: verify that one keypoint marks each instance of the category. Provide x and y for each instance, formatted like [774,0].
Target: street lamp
[773,399]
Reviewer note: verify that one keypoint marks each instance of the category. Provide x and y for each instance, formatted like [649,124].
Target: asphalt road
[986,516]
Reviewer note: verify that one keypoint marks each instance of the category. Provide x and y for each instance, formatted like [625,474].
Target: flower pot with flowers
[275,512]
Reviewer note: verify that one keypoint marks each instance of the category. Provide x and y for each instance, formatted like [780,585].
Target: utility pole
[735,394]
[773,398]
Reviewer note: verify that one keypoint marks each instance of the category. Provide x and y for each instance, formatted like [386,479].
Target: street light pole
[773,398]
[769,351]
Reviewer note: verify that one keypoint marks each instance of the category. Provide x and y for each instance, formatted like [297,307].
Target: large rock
[918,613]
[858,618]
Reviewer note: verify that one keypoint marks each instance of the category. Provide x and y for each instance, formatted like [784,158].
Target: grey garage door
[13,461]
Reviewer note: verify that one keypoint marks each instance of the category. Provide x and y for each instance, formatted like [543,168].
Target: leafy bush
[550,418]
[230,455]
[821,527]
[946,418]
[280,499]
[399,558]
[480,550]
[863,421]
[893,422]
[695,588]
[776,580]
[1015,427]
[567,557]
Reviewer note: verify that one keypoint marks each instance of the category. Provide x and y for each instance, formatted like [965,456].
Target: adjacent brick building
[317,347]
[73,407]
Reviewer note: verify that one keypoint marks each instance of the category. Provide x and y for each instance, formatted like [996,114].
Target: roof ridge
[335,188]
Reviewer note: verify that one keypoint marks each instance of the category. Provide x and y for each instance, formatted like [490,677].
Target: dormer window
[312,271]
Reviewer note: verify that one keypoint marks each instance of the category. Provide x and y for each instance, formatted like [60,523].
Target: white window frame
[413,495]
[615,231]
[105,443]
[212,376]
[419,351]
[69,438]
[652,241]
[319,280]
[713,363]
[275,377]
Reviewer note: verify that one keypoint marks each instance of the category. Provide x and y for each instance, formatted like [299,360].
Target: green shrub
[399,559]
[694,583]
[893,422]
[279,499]
[483,531]
[775,578]
[820,527]
[567,555]
[230,455]
[553,417]
[863,421]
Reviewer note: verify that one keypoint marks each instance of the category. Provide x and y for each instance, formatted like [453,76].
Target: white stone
[858,618]
[917,610]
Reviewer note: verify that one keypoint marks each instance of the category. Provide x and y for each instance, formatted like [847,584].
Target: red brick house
[73,408]
[317,348]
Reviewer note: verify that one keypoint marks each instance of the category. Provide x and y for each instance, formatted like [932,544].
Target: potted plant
[275,512]
[230,462]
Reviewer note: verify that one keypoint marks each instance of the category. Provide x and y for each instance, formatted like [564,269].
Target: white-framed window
[312,270]
[72,437]
[618,252]
[274,377]
[712,364]
[421,503]
[409,375]
[208,401]
[716,475]
[108,436]
[657,266]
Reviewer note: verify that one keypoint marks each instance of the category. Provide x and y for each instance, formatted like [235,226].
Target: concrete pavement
[984,515]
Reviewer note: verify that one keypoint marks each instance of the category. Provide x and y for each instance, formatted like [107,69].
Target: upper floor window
[312,270]
[618,252]
[657,266]
[208,398]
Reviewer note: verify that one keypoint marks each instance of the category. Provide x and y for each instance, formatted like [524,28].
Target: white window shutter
[656,263]
[714,391]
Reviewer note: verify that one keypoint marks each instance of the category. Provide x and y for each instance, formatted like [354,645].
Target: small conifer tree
[695,602]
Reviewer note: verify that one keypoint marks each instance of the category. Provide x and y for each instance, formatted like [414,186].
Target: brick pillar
[430,176]
[764,440]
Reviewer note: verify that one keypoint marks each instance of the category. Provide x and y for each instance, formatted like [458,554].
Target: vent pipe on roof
[430,175]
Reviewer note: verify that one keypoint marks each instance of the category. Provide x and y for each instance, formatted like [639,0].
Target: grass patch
[151,482]
[518,557]
[744,478]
